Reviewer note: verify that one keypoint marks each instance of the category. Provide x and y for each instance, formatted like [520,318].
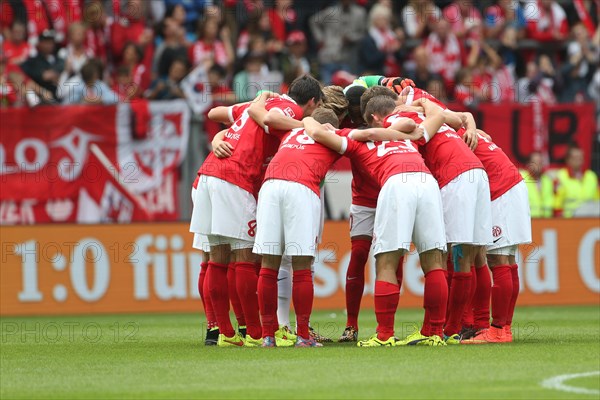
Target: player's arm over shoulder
[324,135]
[392,133]
[283,117]
[220,114]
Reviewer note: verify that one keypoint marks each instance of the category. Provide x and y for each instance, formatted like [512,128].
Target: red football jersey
[416,94]
[365,188]
[446,155]
[300,159]
[253,146]
[502,173]
[384,159]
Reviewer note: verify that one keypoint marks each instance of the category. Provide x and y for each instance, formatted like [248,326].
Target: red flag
[104,197]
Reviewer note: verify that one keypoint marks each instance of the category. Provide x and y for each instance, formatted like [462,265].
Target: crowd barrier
[88,269]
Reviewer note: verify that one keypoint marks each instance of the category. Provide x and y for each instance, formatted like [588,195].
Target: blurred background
[103,106]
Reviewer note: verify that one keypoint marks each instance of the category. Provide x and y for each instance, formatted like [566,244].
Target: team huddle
[422,175]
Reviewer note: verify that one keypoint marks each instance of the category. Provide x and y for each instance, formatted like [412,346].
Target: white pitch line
[558,383]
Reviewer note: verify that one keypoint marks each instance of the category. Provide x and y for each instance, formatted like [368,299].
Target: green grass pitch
[162,356]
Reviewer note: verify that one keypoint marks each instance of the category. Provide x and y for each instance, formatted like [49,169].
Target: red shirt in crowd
[15,53]
[545,25]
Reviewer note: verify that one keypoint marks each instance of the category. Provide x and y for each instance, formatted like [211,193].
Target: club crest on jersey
[496,231]
[289,112]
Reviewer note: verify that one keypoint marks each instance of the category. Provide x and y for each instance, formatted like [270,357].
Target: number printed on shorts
[387,146]
[252,228]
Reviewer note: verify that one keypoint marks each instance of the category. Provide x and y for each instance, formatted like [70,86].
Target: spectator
[172,47]
[210,49]
[584,11]
[546,21]
[435,86]
[504,14]
[445,52]
[540,82]
[338,30]
[575,185]
[16,48]
[38,20]
[539,186]
[62,14]
[420,73]
[258,28]
[96,35]
[282,19]
[246,83]
[169,87]
[75,54]
[8,92]
[94,90]
[294,62]
[465,92]
[124,86]
[132,28]
[509,50]
[188,12]
[221,95]
[577,71]
[465,20]
[494,80]
[380,49]
[419,16]
[132,59]
[45,68]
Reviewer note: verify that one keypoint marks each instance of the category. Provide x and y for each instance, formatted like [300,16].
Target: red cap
[296,37]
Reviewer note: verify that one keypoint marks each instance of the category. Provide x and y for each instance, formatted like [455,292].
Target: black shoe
[212,336]
[467,332]
[242,331]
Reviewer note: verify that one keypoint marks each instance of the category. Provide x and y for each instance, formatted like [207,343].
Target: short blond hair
[335,100]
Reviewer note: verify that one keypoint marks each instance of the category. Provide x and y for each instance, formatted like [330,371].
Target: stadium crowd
[109,51]
[470,52]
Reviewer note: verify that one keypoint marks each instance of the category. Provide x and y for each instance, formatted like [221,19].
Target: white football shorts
[511,221]
[288,219]
[362,221]
[409,208]
[224,212]
[468,209]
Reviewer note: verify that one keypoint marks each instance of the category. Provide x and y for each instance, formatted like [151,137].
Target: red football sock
[211,319]
[219,296]
[233,295]
[501,294]
[208,311]
[514,269]
[387,296]
[400,272]
[355,279]
[458,299]
[468,318]
[481,301]
[435,300]
[302,296]
[267,300]
[449,269]
[247,283]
